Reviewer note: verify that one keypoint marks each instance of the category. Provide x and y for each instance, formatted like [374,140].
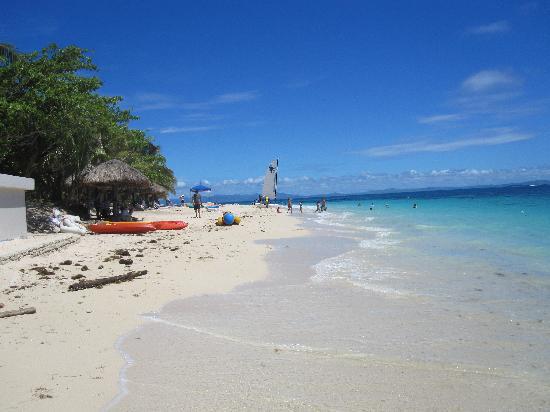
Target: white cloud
[440,118]
[159,101]
[181,183]
[193,129]
[443,172]
[154,101]
[230,182]
[501,26]
[475,172]
[200,116]
[235,97]
[487,80]
[222,99]
[295,179]
[253,180]
[504,136]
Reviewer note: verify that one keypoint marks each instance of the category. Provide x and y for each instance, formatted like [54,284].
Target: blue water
[516,229]
[479,247]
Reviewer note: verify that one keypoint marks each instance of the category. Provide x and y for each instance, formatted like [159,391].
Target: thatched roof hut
[159,190]
[75,177]
[115,173]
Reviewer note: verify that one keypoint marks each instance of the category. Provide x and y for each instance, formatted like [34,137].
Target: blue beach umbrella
[200,188]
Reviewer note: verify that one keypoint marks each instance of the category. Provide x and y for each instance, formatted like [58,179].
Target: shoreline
[291,342]
[148,318]
[74,334]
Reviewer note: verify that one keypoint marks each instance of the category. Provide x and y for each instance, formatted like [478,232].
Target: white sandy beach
[64,357]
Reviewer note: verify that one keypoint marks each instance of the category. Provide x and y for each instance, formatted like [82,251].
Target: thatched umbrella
[115,173]
[75,178]
[116,177]
[159,190]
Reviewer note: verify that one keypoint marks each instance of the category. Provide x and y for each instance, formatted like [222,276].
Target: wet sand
[64,357]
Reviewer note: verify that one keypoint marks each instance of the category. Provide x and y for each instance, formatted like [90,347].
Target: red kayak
[169,224]
[115,227]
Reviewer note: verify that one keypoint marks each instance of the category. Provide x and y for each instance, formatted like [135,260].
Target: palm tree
[8,54]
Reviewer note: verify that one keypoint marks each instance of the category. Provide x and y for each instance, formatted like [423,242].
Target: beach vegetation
[55,123]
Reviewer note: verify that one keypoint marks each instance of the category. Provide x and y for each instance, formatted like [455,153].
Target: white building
[13,213]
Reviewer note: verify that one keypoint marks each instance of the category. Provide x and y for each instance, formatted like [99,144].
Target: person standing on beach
[197,203]
[267,201]
[318,207]
[182,200]
[301,207]
[289,205]
[323,205]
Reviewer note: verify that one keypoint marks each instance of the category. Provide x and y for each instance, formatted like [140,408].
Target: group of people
[321,206]
[263,200]
[415,206]
[196,200]
[289,206]
[116,211]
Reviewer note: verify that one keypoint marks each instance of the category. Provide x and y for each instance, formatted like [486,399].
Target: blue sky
[351,96]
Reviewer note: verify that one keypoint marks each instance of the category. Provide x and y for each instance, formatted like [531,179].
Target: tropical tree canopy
[54,123]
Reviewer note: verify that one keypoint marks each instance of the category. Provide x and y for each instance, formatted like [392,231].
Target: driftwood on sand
[9,313]
[86,284]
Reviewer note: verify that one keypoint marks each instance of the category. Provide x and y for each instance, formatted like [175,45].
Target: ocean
[478,246]
[383,306]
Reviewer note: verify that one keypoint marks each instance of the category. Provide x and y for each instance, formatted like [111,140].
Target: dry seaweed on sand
[96,283]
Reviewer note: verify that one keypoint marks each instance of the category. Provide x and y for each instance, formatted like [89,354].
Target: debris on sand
[98,283]
[42,271]
[10,313]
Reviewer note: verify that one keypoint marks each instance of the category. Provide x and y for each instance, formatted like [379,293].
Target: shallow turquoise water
[491,250]
[514,229]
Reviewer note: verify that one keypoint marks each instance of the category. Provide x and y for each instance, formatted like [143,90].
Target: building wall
[13,213]
[13,218]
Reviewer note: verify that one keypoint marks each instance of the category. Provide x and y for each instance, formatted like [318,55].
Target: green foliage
[54,123]
[7,54]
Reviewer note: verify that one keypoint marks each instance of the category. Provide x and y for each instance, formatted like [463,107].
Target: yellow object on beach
[220,222]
